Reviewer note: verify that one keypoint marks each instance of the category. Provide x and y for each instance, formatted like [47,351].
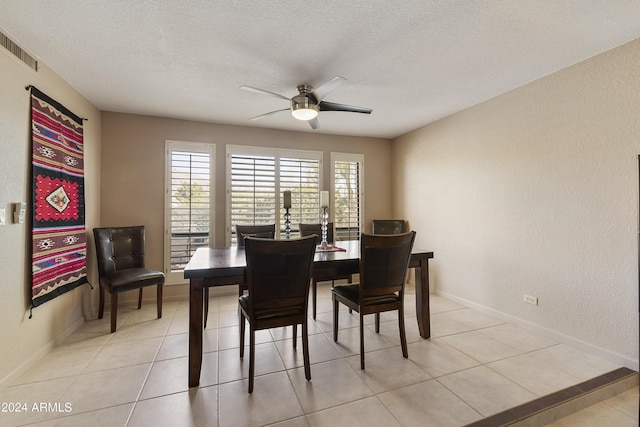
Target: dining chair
[388,226]
[121,267]
[264,231]
[308,230]
[383,266]
[278,274]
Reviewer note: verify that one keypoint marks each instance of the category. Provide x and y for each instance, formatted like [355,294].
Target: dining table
[210,267]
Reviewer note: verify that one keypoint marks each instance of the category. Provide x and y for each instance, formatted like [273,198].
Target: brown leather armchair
[121,266]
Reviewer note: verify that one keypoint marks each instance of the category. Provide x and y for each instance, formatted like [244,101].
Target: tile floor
[472,367]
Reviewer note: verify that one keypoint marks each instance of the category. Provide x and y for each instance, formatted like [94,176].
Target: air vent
[23,56]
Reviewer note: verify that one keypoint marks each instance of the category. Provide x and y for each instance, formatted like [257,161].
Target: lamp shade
[302,109]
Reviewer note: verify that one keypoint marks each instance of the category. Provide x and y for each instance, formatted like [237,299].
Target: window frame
[177,276]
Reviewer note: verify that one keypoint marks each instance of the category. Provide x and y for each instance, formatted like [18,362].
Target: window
[188,203]
[256,180]
[348,190]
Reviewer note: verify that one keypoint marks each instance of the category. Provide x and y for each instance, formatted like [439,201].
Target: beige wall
[536,192]
[133,176]
[24,340]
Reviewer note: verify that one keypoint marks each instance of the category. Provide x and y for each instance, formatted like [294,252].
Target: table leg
[195,330]
[422,298]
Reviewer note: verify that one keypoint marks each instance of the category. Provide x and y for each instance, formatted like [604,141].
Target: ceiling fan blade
[263,92]
[332,106]
[328,87]
[314,123]
[268,114]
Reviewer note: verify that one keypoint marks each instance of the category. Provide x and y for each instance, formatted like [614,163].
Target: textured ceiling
[412,62]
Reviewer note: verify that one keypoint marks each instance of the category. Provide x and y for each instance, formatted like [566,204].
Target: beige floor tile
[428,403]
[174,346]
[349,341]
[626,402]
[438,358]
[232,367]
[387,369]
[473,319]
[519,338]
[438,304]
[481,347]
[168,376]
[118,354]
[180,324]
[263,406]
[573,361]
[443,325]
[369,412]
[197,407]
[294,422]
[21,398]
[598,415]
[332,383]
[485,390]
[59,363]
[320,350]
[102,389]
[230,337]
[114,416]
[537,377]
[132,331]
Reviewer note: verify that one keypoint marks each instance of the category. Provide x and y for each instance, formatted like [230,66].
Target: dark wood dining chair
[121,267]
[278,274]
[388,226]
[383,266]
[308,230]
[264,231]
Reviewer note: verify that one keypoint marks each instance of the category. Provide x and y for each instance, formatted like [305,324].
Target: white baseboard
[588,348]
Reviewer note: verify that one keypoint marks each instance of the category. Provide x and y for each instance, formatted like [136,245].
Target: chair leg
[403,334]
[101,304]
[295,335]
[159,301]
[377,323]
[139,298]
[305,351]
[252,356]
[242,326]
[335,319]
[114,310]
[314,292]
[205,292]
[361,341]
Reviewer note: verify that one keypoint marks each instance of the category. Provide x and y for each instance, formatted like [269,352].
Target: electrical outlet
[531,300]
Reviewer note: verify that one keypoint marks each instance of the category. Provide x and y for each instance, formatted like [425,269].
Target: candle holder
[325,218]
[287,223]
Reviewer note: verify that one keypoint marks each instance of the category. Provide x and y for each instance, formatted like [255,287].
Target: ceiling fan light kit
[308,103]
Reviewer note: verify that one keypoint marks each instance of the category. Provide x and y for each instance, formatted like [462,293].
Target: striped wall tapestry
[58,215]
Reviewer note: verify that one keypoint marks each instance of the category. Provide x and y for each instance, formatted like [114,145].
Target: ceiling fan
[309,101]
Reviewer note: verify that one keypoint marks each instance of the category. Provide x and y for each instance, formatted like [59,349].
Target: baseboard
[618,359]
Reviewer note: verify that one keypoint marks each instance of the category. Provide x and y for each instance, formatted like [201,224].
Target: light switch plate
[3,215]
[19,211]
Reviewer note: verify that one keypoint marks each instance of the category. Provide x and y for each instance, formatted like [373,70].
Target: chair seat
[270,313]
[352,293]
[131,278]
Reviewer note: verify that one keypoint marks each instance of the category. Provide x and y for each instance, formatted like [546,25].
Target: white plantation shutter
[258,177]
[253,190]
[189,195]
[302,177]
[348,182]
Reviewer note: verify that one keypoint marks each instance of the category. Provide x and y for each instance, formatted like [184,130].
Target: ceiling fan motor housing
[302,106]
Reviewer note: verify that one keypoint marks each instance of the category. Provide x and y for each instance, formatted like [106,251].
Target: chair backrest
[266,231]
[384,260]
[388,226]
[119,248]
[279,272]
[309,229]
